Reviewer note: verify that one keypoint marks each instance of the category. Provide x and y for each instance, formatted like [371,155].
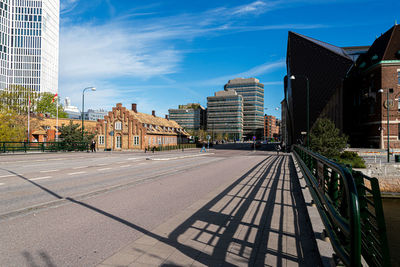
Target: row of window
[136,140]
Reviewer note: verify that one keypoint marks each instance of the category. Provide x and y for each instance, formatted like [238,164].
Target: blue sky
[160,54]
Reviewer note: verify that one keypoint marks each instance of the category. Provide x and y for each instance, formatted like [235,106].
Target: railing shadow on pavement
[253,221]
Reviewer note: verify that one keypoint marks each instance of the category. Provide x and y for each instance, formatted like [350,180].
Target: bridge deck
[258,220]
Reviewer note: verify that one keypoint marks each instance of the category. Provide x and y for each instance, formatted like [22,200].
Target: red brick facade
[124,129]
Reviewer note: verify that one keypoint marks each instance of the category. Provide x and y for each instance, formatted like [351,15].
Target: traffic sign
[112,133]
[208,137]
[254,138]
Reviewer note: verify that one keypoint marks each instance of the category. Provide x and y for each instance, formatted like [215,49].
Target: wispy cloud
[253,72]
[140,46]
[68,5]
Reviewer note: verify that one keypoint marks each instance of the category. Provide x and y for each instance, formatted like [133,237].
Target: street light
[83,104]
[389,90]
[308,106]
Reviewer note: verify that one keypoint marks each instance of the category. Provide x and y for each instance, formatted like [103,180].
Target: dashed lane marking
[101,164]
[74,173]
[104,169]
[80,167]
[50,171]
[40,178]
[8,175]
[124,166]
[1,183]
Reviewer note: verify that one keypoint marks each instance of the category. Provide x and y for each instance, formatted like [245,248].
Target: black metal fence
[12,147]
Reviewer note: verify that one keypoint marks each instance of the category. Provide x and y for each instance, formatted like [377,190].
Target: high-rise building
[29,41]
[191,116]
[252,92]
[225,114]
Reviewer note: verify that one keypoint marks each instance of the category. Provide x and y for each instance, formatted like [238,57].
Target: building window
[136,140]
[118,125]
[399,131]
[101,139]
[118,144]
[398,77]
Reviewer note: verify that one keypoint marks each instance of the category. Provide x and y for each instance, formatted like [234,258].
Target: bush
[351,158]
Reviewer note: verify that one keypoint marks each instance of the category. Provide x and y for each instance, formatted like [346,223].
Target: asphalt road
[72,209]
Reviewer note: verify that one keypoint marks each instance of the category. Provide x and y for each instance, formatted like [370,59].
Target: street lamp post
[308,106]
[389,90]
[83,105]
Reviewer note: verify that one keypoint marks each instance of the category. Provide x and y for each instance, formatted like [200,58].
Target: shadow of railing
[253,220]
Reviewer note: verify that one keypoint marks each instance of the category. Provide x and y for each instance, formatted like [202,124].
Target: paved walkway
[258,220]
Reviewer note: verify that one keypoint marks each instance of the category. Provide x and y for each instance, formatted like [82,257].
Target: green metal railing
[374,244]
[353,222]
[174,147]
[12,147]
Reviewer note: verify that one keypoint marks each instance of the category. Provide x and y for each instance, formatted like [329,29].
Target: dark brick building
[347,85]
[325,66]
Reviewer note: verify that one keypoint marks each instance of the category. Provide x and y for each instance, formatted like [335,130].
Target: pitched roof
[150,119]
[335,49]
[386,47]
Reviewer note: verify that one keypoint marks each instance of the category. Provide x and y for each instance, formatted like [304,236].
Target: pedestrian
[93,146]
[154,148]
[278,148]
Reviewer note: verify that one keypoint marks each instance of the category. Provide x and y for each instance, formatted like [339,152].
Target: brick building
[271,126]
[355,87]
[124,129]
[372,89]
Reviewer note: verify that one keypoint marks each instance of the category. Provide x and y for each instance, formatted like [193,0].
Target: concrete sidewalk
[258,220]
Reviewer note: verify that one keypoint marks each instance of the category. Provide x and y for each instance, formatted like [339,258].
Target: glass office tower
[29,41]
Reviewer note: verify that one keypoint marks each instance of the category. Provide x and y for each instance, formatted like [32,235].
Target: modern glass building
[191,116]
[225,114]
[252,92]
[29,44]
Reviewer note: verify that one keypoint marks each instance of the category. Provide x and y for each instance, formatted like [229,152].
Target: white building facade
[29,44]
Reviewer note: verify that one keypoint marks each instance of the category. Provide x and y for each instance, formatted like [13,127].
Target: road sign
[208,137]
[254,138]
[112,133]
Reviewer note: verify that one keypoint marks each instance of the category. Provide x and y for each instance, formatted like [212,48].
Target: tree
[72,133]
[11,128]
[326,139]
[46,105]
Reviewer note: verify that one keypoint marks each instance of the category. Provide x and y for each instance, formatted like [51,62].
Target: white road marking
[8,175]
[131,158]
[81,167]
[124,166]
[74,173]
[102,164]
[50,171]
[57,159]
[40,178]
[104,169]
[141,163]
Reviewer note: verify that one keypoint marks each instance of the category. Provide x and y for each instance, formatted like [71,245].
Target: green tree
[11,128]
[71,134]
[46,105]
[326,139]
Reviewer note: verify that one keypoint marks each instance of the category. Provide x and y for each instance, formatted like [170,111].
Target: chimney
[134,107]
[166,116]
[153,112]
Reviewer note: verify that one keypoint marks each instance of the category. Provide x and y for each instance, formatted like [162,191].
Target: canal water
[391,209]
